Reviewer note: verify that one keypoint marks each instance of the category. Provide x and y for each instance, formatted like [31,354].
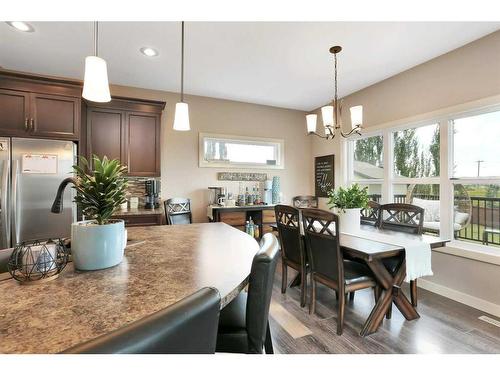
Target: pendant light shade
[95,81]
[95,84]
[181,120]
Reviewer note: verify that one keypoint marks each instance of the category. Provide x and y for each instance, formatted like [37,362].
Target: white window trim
[202,163]
[442,117]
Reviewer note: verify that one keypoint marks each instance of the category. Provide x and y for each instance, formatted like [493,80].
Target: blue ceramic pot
[94,247]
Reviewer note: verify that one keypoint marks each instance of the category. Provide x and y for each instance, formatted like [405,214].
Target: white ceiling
[280,64]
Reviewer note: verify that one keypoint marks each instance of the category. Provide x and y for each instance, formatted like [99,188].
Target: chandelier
[332,114]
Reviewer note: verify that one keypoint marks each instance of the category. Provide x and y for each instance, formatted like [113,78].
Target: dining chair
[403,217]
[178,211]
[292,247]
[244,322]
[326,261]
[305,201]
[187,327]
[370,214]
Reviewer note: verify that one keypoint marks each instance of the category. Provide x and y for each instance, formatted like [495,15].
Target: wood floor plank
[289,323]
[445,326]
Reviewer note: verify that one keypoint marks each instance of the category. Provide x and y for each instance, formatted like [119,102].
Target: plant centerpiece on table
[348,203]
[98,241]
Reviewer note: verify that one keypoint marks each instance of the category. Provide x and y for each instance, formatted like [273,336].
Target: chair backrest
[371,214]
[288,222]
[187,327]
[321,230]
[305,201]
[259,292]
[402,217]
[178,211]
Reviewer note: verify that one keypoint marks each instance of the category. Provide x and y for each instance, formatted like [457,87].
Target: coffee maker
[152,194]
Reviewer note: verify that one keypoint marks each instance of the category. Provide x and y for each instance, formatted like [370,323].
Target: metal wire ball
[38,260]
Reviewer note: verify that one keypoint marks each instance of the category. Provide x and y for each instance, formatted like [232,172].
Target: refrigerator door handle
[16,208]
[4,205]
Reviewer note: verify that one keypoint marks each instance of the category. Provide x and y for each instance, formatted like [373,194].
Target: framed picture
[324,175]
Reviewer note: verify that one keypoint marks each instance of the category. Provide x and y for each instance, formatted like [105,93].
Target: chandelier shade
[356,116]
[311,122]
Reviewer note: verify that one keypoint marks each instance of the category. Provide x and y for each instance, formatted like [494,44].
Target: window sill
[472,251]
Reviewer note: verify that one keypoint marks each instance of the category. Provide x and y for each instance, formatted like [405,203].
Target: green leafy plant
[101,191]
[352,197]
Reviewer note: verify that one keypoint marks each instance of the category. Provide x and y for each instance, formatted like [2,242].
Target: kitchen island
[161,266]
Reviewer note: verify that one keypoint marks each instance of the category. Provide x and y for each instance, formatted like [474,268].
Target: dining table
[161,266]
[365,246]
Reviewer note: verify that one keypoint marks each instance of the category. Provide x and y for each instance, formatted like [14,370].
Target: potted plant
[98,241]
[348,204]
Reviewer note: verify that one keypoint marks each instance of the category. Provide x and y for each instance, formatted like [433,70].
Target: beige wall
[464,75]
[180,174]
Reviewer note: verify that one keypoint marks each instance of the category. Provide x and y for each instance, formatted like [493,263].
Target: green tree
[434,150]
[369,150]
[406,160]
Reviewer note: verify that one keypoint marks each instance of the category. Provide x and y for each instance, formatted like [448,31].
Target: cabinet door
[106,133]
[14,112]
[55,116]
[143,144]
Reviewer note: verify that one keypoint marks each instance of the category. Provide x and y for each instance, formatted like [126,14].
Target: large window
[244,152]
[449,166]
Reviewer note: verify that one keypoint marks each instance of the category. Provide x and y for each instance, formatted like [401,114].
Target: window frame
[445,179]
[276,142]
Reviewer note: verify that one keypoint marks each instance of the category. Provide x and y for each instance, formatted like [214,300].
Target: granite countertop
[162,265]
[140,211]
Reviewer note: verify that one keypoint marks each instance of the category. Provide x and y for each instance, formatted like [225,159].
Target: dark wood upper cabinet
[39,107]
[128,130]
[55,116]
[143,144]
[106,134]
[14,112]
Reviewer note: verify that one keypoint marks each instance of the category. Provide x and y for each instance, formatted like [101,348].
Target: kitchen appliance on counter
[152,194]
[216,195]
[30,173]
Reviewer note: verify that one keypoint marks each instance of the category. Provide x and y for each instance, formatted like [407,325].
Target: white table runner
[418,253]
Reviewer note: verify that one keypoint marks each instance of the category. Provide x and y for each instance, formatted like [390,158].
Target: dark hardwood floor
[445,326]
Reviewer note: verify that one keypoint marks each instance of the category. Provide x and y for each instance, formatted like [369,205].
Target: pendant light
[95,82]
[181,119]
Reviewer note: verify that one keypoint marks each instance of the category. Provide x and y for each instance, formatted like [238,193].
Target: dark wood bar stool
[326,261]
[406,218]
[178,211]
[292,247]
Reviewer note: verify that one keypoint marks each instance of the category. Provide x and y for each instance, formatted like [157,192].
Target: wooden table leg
[391,291]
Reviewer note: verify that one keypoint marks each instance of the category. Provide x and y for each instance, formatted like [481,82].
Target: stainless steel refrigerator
[30,172]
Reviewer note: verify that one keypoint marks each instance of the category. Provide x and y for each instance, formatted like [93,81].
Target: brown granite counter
[162,265]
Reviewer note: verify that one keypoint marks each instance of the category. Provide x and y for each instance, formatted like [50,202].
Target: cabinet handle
[26,124]
[32,127]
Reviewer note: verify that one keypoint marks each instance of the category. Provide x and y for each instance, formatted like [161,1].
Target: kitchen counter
[161,266]
[140,211]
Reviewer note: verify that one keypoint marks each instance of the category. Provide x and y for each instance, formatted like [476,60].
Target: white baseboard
[455,295]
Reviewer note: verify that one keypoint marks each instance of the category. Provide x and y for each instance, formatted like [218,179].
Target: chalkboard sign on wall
[324,178]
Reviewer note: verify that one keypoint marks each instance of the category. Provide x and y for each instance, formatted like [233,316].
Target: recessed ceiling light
[149,52]
[21,26]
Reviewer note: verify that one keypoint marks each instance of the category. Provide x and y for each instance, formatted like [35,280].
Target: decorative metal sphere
[38,260]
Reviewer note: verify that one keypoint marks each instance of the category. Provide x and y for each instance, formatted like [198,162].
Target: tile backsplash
[136,188]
